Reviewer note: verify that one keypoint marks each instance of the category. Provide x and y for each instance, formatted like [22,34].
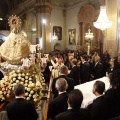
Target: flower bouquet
[33,82]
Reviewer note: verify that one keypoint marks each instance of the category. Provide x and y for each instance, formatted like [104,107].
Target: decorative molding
[87,14]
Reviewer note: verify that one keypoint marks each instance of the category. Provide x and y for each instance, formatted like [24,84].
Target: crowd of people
[67,104]
[74,68]
[82,68]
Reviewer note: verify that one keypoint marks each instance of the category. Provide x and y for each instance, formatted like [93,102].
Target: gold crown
[14,21]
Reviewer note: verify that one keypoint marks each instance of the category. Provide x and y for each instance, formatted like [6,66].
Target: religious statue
[17,45]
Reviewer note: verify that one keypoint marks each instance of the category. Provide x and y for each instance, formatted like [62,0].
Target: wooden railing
[49,96]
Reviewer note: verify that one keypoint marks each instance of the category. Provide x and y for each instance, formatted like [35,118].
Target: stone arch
[86,16]
[30,21]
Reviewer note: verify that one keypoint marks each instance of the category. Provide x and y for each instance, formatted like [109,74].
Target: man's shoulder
[23,101]
[60,97]
[71,114]
[99,102]
[61,76]
[68,78]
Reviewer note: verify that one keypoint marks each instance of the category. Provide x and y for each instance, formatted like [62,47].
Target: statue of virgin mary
[17,46]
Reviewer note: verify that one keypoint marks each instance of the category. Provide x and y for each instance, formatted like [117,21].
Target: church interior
[39,38]
[63,17]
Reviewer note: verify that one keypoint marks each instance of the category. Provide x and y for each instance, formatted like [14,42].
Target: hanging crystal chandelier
[89,36]
[102,21]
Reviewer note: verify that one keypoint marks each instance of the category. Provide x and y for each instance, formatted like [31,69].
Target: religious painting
[57,30]
[72,36]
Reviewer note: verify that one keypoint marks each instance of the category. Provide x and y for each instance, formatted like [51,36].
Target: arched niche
[57,46]
[86,16]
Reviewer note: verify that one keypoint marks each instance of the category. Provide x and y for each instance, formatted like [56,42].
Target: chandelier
[102,21]
[89,36]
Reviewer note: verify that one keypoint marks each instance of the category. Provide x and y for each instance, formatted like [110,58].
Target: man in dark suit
[68,63]
[74,112]
[98,68]
[84,70]
[98,109]
[112,95]
[74,73]
[21,109]
[63,74]
[47,71]
[58,104]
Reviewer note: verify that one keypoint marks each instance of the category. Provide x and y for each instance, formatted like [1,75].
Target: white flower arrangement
[32,82]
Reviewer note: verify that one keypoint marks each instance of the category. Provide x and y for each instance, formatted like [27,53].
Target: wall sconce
[54,37]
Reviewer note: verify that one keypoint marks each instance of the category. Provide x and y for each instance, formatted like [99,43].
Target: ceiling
[6,4]
[65,3]
[5,7]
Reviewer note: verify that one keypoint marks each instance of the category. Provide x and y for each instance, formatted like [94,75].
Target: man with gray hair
[21,109]
[59,104]
[98,68]
[63,74]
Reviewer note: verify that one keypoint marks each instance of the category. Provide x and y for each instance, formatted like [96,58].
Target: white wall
[72,23]
[5,32]
[56,20]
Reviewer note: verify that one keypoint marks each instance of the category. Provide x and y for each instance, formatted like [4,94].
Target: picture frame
[72,36]
[57,30]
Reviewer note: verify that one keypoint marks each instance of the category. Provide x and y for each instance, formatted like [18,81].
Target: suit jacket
[21,109]
[98,109]
[47,72]
[81,114]
[112,97]
[69,81]
[57,105]
[74,73]
[97,72]
[84,72]
[68,64]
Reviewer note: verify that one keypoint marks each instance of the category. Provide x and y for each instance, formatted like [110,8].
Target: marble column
[64,28]
[118,27]
[111,33]
[80,33]
[43,11]
[83,33]
[38,23]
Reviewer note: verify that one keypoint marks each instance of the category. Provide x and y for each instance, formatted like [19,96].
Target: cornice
[43,8]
